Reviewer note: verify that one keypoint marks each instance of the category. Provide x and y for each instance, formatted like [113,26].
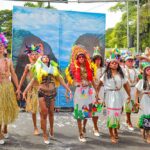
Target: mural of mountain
[22,37]
[90,41]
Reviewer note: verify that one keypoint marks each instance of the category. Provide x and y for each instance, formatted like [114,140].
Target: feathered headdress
[115,54]
[32,48]
[73,71]
[3,39]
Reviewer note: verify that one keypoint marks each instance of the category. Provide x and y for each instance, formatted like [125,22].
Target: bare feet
[148,140]
[36,131]
[113,140]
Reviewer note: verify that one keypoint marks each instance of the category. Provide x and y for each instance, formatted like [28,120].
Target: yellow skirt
[8,103]
[32,100]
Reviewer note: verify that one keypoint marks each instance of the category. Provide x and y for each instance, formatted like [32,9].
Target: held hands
[68,96]
[137,105]
[18,92]
[128,99]
[24,95]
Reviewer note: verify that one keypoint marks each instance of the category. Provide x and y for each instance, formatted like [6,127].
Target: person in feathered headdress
[98,70]
[132,75]
[33,52]
[79,74]
[47,75]
[113,81]
[143,87]
[8,102]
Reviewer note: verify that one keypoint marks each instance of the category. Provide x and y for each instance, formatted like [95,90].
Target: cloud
[83,21]
[34,18]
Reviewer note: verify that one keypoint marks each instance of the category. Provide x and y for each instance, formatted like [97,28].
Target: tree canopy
[118,34]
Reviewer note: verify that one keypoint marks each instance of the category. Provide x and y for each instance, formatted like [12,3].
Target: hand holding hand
[24,95]
[128,99]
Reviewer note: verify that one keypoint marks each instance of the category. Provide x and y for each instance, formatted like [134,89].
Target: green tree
[39,5]
[6,25]
[118,35]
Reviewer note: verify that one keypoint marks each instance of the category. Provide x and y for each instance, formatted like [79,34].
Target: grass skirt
[32,100]
[8,103]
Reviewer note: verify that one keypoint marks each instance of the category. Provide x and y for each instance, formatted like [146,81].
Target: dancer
[48,76]
[132,76]
[8,102]
[113,81]
[143,89]
[79,74]
[98,70]
[32,52]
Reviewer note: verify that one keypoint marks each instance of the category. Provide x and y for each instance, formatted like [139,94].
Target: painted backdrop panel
[57,31]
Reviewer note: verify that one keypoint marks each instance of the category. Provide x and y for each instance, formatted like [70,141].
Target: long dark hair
[98,56]
[109,73]
[145,81]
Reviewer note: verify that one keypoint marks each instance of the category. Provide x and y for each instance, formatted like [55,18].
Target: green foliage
[38,5]
[6,25]
[118,34]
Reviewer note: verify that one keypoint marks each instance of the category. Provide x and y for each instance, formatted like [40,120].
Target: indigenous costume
[32,95]
[114,97]
[132,75]
[81,76]
[144,112]
[8,103]
[98,72]
[46,75]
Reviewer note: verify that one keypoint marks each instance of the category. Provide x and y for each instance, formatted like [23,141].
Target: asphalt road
[66,135]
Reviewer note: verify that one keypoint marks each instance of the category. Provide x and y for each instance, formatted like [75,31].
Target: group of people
[117,85]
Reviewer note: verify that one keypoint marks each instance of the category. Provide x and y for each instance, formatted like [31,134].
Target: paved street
[66,135]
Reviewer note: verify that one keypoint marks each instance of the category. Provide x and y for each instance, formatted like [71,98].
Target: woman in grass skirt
[8,102]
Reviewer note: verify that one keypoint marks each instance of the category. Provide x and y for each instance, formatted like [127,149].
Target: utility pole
[49,4]
[138,24]
[128,38]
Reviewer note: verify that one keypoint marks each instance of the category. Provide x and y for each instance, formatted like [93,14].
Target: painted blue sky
[60,29]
